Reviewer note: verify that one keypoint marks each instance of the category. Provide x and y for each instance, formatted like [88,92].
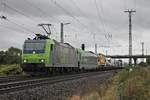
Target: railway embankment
[61,90]
[132,84]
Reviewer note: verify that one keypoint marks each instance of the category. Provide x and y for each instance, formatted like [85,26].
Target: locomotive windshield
[34,47]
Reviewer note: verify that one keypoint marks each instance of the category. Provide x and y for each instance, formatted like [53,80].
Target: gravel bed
[58,91]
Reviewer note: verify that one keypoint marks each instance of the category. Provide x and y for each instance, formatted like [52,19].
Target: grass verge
[6,70]
[126,85]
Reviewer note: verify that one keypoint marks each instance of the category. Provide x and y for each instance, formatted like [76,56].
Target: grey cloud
[84,13]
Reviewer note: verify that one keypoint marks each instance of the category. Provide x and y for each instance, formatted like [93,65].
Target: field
[127,85]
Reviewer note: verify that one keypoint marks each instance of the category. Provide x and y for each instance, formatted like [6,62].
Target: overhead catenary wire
[79,9]
[135,2]
[21,13]
[39,9]
[125,4]
[10,28]
[21,26]
[42,11]
[2,3]
[100,12]
[108,35]
[24,28]
[5,19]
[68,13]
[106,25]
[45,13]
[132,4]
[100,16]
[17,11]
[71,28]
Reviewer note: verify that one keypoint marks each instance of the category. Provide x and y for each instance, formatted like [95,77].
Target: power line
[16,10]
[78,8]
[98,13]
[125,4]
[5,18]
[106,25]
[135,4]
[132,4]
[68,13]
[21,26]
[101,20]
[54,29]
[10,28]
[1,5]
[41,10]
[21,13]
[45,12]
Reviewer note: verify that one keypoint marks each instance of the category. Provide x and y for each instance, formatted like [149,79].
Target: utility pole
[62,31]
[130,34]
[95,48]
[142,43]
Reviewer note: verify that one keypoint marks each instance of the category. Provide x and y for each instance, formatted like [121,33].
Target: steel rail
[21,85]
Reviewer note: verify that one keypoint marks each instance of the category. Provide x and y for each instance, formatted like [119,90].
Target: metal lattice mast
[142,43]
[130,34]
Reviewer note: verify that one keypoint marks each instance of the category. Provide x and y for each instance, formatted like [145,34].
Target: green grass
[6,70]
[131,85]
[134,85]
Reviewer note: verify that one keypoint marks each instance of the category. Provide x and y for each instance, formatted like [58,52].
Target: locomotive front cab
[35,55]
[101,60]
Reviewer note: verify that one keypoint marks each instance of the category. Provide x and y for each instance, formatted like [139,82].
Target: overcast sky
[92,21]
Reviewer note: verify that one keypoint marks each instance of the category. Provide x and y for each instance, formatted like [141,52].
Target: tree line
[10,56]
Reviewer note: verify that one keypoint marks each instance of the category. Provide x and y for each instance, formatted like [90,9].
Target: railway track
[7,79]
[32,83]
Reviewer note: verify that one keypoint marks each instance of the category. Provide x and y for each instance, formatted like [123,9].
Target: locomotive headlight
[42,60]
[24,61]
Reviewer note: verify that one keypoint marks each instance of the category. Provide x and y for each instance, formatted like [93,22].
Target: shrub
[10,69]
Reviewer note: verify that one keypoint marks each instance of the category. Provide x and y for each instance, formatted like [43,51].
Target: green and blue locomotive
[43,54]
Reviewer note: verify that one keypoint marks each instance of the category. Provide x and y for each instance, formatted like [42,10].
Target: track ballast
[32,83]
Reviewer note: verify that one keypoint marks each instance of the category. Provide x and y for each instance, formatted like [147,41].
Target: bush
[11,56]
[10,70]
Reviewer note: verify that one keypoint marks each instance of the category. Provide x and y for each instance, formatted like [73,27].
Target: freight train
[43,54]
